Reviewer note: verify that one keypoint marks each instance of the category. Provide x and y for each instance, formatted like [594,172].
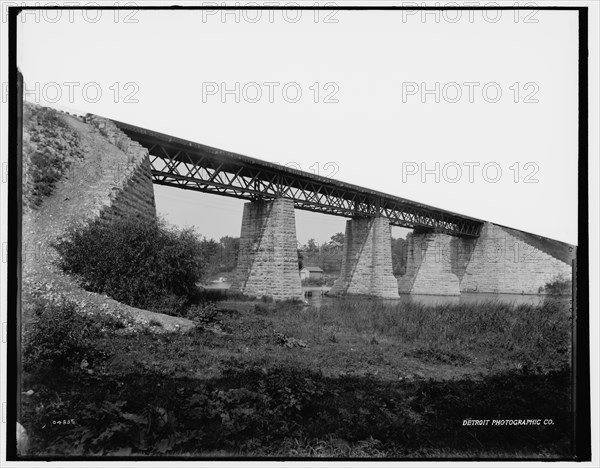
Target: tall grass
[242,393]
[533,336]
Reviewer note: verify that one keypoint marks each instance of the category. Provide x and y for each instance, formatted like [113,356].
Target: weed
[60,336]
[204,314]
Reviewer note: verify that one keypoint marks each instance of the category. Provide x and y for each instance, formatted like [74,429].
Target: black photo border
[581,443]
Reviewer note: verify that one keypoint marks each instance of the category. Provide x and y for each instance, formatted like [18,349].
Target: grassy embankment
[348,379]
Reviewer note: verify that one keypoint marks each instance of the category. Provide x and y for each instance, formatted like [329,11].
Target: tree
[312,247]
[399,256]
[229,248]
[338,238]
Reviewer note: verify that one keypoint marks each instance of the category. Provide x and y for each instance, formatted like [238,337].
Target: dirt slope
[77,197]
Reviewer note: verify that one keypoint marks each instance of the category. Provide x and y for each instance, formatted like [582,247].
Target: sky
[475,114]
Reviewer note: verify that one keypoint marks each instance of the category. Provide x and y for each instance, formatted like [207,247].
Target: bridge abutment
[500,260]
[367,260]
[268,257]
[505,260]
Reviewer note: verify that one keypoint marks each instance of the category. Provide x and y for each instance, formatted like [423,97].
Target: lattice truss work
[187,165]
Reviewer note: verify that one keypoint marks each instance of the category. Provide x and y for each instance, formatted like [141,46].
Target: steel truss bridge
[176,162]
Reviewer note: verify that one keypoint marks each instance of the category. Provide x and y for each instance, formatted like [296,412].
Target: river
[316,296]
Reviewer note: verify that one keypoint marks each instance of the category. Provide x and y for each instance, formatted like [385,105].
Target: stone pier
[431,266]
[268,257]
[367,260]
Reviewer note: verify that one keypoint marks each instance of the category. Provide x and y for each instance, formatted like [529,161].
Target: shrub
[140,262]
[209,295]
[558,287]
[203,314]
[59,336]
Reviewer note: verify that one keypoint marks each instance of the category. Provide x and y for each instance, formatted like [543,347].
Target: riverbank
[351,379]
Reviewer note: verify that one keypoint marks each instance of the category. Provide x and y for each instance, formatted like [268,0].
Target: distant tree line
[328,255]
[223,254]
[399,255]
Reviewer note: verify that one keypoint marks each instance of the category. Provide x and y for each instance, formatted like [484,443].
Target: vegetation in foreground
[142,263]
[364,379]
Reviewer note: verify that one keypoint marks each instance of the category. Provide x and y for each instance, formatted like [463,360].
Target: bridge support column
[268,257]
[367,260]
[432,266]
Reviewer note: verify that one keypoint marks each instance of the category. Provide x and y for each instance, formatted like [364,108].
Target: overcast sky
[341,95]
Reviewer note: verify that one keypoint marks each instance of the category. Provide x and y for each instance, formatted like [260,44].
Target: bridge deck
[184,164]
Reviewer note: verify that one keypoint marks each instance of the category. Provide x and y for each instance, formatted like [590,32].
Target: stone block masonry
[367,260]
[268,257]
[500,260]
[429,267]
[132,192]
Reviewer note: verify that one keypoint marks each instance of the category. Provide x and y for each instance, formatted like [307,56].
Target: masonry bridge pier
[448,253]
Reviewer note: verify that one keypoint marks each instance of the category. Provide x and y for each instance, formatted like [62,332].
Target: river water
[316,297]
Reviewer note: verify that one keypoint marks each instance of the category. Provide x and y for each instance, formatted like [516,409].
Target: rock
[22,440]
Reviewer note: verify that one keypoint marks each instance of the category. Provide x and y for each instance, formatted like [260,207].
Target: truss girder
[210,174]
[187,165]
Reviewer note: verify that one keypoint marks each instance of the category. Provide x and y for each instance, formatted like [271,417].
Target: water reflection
[316,298]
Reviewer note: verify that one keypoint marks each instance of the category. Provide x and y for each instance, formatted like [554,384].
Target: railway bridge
[448,253]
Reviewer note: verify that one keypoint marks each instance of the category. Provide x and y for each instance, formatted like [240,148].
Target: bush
[139,262]
[560,286]
[203,314]
[59,336]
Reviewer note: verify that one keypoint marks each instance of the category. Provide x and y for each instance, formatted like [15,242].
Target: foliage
[289,342]
[256,391]
[203,314]
[253,409]
[211,252]
[60,336]
[327,256]
[225,254]
[140,262]
[399,256]
[535,337]
[49,148]
[338,238]
[560,286]
[210,295]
